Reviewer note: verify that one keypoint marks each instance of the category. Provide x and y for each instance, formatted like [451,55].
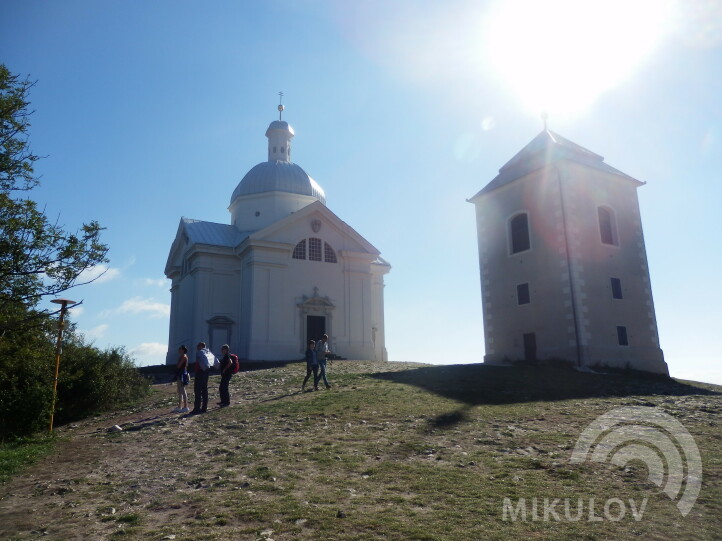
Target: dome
[278,176]
[280,125]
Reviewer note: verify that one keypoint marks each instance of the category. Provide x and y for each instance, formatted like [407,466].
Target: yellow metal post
[58,351]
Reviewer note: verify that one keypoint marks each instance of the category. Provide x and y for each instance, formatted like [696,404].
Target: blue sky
[149,111]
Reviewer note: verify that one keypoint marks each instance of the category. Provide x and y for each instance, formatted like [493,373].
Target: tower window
[616,288]
[522,294]
[282,149]
[519,232]
[299,252]
[329,256]
[607,226]
[622,335]
[314,249]
[274,150]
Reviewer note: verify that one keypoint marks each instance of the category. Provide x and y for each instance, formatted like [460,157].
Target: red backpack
[236,366]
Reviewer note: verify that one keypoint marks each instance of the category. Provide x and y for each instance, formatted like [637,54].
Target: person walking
[321,353]
[226,374]
[182,378]
[311,366]
[204,361]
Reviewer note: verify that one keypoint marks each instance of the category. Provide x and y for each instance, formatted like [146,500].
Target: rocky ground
[392,451]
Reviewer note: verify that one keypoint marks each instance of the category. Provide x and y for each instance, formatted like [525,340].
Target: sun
[560,55]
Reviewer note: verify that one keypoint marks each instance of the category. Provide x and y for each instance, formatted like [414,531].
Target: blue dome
[278,176]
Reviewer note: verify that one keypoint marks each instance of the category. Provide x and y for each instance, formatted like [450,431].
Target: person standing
[181,374]
[311,366]
[200,386]
[321,353]
[226,374]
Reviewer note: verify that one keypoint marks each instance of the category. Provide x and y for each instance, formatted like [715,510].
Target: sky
[149,111]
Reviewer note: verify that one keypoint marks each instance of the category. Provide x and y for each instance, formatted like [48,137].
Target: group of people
[316,357]
[317,354]
[205,360]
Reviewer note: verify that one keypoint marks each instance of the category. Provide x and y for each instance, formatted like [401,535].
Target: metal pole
[58,352]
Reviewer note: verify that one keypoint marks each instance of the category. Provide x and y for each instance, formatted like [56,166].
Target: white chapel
[285,270]
[564,271]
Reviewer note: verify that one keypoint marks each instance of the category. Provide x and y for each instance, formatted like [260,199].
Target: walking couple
[316,354]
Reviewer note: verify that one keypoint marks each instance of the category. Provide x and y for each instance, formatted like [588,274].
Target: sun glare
[560,55]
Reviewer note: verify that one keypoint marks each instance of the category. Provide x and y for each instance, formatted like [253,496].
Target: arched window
[607,226]
[299,252]
[329,256]
[318,250]
[314,249]
[519,233]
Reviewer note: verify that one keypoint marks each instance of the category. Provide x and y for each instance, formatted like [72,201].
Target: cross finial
[544,117]
[280,105]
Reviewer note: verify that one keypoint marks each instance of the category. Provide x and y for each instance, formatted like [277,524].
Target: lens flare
[560,55]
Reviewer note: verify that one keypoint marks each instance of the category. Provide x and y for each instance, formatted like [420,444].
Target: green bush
[26,372]
[90,379]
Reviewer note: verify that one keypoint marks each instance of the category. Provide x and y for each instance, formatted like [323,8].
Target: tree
[37,257]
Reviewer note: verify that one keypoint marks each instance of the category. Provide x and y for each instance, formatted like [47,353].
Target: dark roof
[546,148]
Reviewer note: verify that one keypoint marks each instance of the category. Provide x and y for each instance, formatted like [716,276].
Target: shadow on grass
[476,384]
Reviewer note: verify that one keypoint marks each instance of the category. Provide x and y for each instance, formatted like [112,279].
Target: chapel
[285,269]
[563,264]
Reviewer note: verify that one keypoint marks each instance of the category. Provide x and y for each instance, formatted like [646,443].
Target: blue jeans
[311,368]
[322,373]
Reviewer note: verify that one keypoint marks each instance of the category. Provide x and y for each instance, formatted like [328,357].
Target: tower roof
[278,174]
[544,149]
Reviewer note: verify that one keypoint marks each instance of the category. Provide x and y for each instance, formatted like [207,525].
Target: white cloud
[75,313]
[149,353]
[99,273]
[96,332]
[139,305]
[160,282]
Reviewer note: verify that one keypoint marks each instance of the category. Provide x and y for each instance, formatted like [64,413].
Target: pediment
[316,302]
[315,220]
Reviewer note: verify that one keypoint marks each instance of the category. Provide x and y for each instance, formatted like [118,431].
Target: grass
[21,453]
[393,451]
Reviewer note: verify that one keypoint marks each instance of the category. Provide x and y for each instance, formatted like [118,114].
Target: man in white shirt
[200,385]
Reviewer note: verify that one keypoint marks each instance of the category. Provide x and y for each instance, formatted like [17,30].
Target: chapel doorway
[530,347]
[315,327]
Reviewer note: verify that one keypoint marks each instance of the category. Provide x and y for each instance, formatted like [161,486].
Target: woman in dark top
[311,366]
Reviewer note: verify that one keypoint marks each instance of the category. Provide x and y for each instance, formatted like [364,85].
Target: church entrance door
[530,347]
[315,327]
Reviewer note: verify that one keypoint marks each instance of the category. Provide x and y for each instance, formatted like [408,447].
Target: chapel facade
[285,270]
[563,265]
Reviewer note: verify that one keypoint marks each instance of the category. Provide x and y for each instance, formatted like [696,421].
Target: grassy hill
[393,451]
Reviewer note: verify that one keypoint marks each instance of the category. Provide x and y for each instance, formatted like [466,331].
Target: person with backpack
[204,362]
[229,366]
[311,366]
